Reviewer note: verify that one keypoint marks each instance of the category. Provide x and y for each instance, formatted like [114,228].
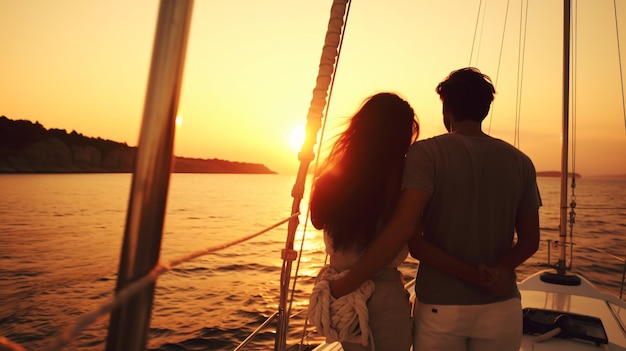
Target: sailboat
[564,310]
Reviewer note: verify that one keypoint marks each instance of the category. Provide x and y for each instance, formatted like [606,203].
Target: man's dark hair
[467,93]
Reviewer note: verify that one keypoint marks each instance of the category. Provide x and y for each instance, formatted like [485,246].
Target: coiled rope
[342,319]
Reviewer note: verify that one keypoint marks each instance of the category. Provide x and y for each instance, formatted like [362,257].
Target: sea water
[61,236]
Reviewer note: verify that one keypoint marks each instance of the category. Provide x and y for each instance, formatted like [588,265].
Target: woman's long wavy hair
[359,183]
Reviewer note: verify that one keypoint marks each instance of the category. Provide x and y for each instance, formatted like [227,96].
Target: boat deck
[582,301]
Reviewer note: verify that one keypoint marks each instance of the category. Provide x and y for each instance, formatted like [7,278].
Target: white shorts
[490,327]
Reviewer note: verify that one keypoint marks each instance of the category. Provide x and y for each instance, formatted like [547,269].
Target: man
[469,193]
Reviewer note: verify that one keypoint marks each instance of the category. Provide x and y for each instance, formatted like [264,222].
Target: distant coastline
[27,147]
[556,174]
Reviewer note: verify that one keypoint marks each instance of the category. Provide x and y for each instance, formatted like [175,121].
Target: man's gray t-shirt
[478,186]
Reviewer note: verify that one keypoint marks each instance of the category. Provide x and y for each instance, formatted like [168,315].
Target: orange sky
[251,67]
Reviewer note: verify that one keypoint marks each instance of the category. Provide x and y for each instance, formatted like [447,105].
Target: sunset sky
[251,66]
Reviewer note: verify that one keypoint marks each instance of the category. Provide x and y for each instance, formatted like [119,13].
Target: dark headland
[27,147]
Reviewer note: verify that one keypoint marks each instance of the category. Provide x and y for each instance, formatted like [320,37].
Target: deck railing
[557,243]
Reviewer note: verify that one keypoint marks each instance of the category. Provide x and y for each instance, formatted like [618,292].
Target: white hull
[584,300]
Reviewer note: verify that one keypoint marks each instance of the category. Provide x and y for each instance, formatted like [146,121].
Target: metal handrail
[623,260]
[256,331]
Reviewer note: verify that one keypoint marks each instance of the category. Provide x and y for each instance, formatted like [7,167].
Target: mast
[561,277]
[560,266]
[129,322]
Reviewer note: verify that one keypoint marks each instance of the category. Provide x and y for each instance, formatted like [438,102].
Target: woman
[353,197]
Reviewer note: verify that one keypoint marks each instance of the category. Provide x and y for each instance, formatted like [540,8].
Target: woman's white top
[342,260]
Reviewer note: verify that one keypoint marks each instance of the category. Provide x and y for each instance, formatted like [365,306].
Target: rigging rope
[506,19]
[480,5]
[319,147]
[619,59]
[319,151]
[520,71]
[72,331]
[327,66]
[481,10]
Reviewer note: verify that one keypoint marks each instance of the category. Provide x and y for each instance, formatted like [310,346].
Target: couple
[454,201]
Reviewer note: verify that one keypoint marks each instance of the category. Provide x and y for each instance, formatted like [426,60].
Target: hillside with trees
[27,147]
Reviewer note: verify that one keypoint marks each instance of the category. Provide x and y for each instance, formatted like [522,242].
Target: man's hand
[497,280]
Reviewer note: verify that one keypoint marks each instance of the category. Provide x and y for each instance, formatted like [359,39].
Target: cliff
[27,147]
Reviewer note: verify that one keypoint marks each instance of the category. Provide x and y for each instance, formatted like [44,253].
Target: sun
[296,138]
